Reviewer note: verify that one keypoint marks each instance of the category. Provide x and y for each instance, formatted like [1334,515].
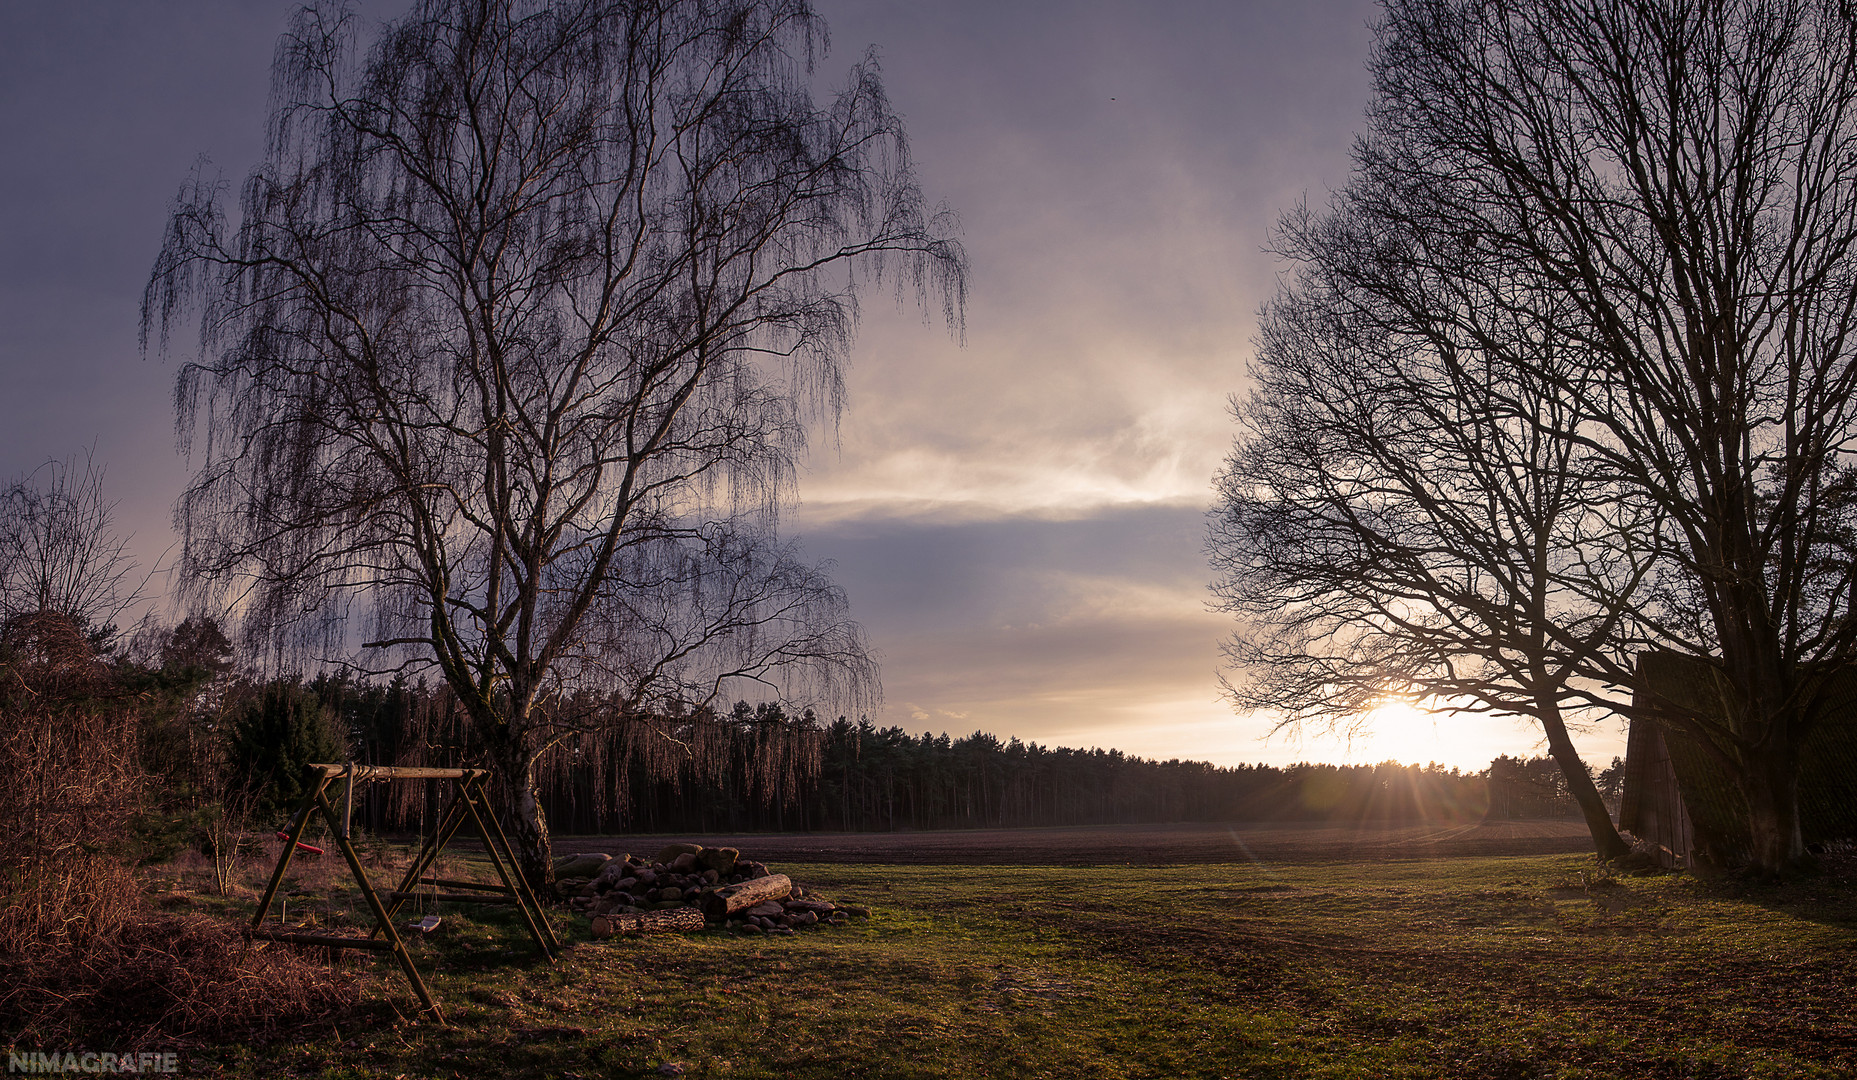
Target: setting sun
[1401,731]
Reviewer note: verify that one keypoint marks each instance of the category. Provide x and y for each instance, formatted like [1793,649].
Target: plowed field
[1138,845]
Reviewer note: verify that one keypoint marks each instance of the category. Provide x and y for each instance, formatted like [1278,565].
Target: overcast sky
[1019,519]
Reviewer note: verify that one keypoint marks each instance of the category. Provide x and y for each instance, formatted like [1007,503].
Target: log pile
[687,887]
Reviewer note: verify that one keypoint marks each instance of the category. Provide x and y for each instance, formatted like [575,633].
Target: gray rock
[671,851]
[580,866]
[719,859]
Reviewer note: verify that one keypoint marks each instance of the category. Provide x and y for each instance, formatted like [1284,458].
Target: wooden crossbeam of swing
[372,773]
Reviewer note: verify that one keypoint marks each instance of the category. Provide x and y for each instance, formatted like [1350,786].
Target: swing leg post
[381,917]
[511,875]
[317,781]
[524,894]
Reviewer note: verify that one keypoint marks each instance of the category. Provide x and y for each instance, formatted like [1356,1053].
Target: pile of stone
[688,887]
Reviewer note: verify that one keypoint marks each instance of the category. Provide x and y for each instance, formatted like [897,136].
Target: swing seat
[301,846]
[425,925]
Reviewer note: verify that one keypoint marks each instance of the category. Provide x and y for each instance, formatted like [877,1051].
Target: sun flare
[1400,730]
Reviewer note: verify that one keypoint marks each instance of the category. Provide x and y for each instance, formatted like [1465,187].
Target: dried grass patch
[172,980]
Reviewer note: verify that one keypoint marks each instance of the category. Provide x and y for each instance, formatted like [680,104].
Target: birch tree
[524,319]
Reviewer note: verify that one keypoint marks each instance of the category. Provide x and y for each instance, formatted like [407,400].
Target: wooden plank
[455,898]
[551,945]
[450,883]
[370,773]
[332,941]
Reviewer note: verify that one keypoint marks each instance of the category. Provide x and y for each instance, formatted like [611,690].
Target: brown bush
[169,979]
[79,959]
[68,753]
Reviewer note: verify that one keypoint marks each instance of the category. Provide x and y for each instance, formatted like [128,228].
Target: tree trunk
[1766,727]
[1770,783]
[521,813]
[1606,841]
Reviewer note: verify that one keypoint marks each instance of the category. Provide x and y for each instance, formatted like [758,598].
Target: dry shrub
[171,980]
[79,960]
[68,753]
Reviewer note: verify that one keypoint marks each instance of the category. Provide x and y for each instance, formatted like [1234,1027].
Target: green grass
[1494,967]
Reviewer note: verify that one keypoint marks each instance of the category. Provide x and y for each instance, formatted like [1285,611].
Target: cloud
[1089,630]
[1017,518]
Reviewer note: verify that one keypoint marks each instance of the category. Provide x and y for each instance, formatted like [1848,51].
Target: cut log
[722,903]
[651,922]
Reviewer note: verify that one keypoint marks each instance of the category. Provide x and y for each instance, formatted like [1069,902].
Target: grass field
[1471,966]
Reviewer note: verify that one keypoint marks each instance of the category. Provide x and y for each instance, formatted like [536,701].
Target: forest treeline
[214,749]
[875,779]
[757,768]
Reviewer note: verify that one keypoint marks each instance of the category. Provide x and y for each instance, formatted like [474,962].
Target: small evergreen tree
[282,729]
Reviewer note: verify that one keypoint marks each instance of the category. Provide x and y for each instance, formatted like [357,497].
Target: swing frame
[470,802]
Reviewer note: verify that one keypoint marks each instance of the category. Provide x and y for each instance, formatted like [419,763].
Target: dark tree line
[174,749]
[756,768]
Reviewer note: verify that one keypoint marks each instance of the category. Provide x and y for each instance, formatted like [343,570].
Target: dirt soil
[1117,845]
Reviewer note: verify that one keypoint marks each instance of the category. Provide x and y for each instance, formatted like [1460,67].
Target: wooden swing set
[469,802]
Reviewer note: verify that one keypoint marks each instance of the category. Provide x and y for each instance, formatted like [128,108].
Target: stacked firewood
[687,887]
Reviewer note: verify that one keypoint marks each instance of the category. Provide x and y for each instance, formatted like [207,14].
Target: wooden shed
[1679,799]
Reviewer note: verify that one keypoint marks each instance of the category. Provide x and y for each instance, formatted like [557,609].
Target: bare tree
[1405,514]
[60,551]
[1667,193]
[525,315]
